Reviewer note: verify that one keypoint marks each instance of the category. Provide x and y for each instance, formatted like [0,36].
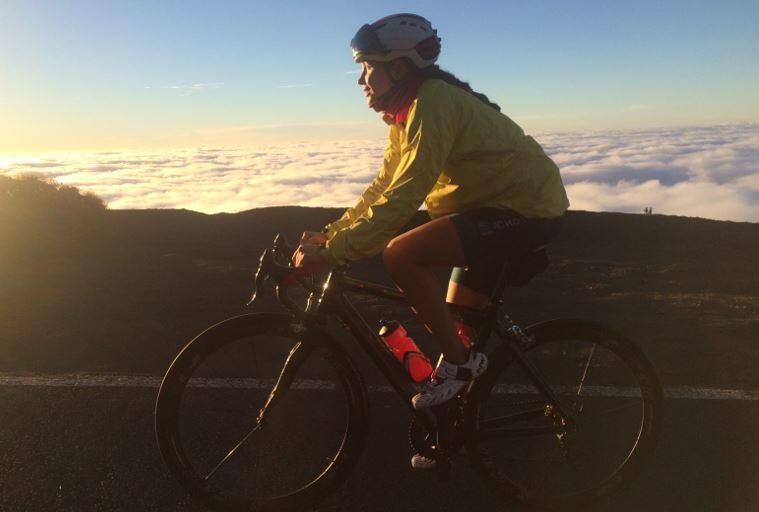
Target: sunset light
[419,255]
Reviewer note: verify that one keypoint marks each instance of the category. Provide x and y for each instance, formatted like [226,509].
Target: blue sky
[107,74]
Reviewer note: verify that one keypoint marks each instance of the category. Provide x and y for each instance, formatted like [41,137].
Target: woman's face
[375,82]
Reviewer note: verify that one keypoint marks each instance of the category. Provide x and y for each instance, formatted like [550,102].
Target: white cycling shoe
[419,461]
[448,379]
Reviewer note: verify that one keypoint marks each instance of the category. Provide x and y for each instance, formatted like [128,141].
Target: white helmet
[395,36]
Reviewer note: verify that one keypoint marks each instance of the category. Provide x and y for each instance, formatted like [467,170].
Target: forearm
[367,199]
[369,235]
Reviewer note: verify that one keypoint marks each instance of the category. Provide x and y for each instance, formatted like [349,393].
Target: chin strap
[384,101]
[396,106]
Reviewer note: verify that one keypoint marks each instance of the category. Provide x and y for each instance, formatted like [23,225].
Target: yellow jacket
[454,153]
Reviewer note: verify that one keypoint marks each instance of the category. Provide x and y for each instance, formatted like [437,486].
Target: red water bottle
[405,350]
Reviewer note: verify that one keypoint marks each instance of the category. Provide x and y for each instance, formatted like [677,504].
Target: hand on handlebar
[307,257]
[313,238]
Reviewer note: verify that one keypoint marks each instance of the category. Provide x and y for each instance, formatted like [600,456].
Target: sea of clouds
[710,172]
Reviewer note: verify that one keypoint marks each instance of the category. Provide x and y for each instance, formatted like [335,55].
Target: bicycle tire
[500,395]
[214,375]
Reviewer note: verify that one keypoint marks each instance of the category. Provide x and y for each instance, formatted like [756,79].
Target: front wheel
[259,413]
[524,448]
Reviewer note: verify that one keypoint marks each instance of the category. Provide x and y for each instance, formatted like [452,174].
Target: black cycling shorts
[490,237]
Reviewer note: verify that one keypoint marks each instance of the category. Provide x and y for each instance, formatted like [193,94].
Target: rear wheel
[240,434]
[519,441]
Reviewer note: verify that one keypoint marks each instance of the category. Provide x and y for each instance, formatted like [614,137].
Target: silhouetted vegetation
[42,219]
[32,192]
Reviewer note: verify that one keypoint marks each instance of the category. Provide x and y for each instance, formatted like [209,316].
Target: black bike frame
[331,299]
[334,300]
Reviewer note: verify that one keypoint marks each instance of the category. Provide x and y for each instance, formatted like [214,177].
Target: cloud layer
[708,172]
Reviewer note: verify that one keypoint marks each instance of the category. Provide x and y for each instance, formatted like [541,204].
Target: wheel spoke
[585,371]
[234,449]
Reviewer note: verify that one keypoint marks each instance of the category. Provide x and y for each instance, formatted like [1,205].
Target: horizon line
[6,153]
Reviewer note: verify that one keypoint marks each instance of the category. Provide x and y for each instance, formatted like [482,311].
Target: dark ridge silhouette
[122,290]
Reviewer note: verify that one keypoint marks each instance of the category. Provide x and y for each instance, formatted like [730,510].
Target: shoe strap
[446,370]
[463,373]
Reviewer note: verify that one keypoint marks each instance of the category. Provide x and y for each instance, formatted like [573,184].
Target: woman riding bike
[490,190]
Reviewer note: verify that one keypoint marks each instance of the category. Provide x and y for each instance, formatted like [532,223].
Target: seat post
[500,285]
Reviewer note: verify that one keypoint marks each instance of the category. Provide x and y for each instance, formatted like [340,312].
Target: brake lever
[283,274]
[262,274]
[283,249]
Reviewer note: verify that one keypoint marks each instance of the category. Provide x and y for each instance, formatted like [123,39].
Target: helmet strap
[383,101]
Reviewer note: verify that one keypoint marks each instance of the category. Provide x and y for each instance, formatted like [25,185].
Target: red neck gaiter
[399,105]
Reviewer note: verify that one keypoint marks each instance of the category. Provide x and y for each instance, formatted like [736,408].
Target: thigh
[435,243]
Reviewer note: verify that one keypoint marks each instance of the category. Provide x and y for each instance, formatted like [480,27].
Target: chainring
[425,443]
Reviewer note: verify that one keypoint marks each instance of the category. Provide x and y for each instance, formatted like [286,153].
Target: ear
[399,68]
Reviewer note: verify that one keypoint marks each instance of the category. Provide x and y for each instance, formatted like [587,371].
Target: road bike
[268,410]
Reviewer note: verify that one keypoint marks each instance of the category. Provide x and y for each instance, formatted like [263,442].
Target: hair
[434,71]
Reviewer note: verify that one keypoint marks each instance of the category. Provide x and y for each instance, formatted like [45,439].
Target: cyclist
[490,191]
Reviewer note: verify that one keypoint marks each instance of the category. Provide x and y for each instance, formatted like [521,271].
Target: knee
[393,257]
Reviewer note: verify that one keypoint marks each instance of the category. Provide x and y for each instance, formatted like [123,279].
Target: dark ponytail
[434,71]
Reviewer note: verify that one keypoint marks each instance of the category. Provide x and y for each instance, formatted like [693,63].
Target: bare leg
[464,296]
[409,259]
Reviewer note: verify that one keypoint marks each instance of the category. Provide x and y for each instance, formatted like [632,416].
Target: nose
[361,77]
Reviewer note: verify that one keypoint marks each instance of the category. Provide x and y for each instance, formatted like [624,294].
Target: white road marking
[137,381]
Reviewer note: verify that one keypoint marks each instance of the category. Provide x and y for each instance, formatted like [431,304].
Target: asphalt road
[93,449]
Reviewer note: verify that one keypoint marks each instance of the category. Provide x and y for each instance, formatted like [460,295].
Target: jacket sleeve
[424,149]
[390,160]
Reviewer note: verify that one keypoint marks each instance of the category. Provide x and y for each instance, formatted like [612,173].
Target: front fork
[298,354]
[295,359]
